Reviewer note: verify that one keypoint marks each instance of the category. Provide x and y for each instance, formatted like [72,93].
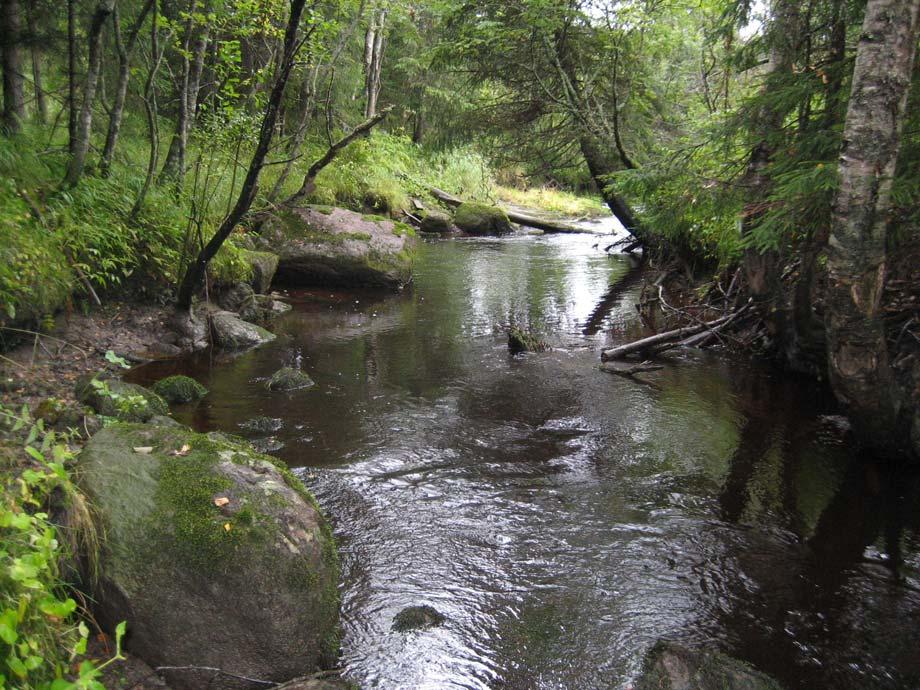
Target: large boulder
[325,246]
[232,333]
[481,219]
[670,666]
[127,402]
[215,556]
[436,222]
[263,266]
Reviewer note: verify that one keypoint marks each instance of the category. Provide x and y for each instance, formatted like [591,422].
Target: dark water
[562,518]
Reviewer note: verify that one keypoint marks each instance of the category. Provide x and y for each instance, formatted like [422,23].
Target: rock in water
[233,297]
[435,221]
[417,618]
[481,219]
[669,666]
[232,333]
[214,555]
[179,389]
[288,379]
[334,247]
[520,341]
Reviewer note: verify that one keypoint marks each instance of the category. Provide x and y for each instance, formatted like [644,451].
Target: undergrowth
[42,638]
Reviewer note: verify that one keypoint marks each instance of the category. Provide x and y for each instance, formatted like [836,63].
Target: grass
[554,200]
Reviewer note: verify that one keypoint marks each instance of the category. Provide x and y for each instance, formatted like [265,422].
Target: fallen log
[622,369]
[663,341]
[544,224]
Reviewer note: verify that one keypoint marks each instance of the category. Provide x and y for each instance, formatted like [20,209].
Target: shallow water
[561,518]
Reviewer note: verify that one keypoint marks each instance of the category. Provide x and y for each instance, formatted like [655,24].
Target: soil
[45,365]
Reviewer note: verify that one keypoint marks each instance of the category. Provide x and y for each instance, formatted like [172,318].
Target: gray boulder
[334,247]
[235,296]
[262,309]
[435,221]
[232,333]
[263,266]
[215,556]
[670,666]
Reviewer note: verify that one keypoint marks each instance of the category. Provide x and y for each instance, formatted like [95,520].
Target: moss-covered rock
[481,219]
[669,666]
[232,333]
[288,379]
[520,341]
[262,309]
[339,248]
[179,389]
[215,555]
[264,265]
[233,297]
[127,402]
[417,618]
[435,221]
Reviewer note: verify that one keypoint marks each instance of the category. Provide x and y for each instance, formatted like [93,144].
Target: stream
[561,518]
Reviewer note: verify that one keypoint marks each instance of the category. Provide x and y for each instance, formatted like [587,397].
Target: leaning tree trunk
[195,273]
[858,359]
[125,48]
[14,102]
[80,146]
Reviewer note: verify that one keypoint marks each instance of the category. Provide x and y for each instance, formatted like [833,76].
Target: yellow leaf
[227,526]
[143,450]
[222,501]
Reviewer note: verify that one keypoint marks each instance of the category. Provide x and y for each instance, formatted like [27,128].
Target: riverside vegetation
[183,153]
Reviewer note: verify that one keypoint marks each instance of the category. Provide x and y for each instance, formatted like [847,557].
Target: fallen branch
[654,343]
[630,371]
[544,224]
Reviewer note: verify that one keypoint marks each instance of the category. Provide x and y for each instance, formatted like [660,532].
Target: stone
[127,402]
[262,309]
[317,684]
[481,219]
[670,666]
[215,555]
[263,425]
[417,618]
[288,379]
[232,333]
[263,265]
[320,247]
[233,297]
[435,221]
[520,341]
[179,389]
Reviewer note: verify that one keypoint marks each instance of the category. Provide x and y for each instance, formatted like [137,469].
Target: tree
[858,354]
[195,273]
[14,103]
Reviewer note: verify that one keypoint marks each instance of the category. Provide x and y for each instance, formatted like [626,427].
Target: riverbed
[561,518]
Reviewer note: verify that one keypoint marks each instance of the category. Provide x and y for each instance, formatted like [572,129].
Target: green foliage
[42,643]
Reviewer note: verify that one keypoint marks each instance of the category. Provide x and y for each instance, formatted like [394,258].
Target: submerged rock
[263,425]
[417,618]
[262,309]
[232,333]
[335,247]
[670,666]
[127,402]
[481,219]
[520,340]
[288,379]
[179,389]
[215,555]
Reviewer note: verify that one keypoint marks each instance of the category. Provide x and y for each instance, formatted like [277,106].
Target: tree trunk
[94,67]
[174,165]
[125,49]
[373,61]
[41,103]
[71,76]
[858,359]
[196,271]
[14,102]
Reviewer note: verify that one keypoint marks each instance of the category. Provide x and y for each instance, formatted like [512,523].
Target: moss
[417,618]
[374,218]
[481,219]
[179,389]
[400,229]
[520,340]
[288,379]
[321,208]
[126,402]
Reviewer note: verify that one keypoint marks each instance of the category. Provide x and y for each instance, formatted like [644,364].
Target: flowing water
[564,519]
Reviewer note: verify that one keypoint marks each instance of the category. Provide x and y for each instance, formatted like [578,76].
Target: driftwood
[622,369]
[664,341]
[544,224]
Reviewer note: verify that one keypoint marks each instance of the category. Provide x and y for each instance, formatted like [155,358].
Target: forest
[246,246]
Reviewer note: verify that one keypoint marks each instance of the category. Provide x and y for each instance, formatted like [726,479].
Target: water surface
[564,519]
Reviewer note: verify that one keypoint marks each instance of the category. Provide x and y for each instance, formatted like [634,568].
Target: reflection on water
[564,519]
